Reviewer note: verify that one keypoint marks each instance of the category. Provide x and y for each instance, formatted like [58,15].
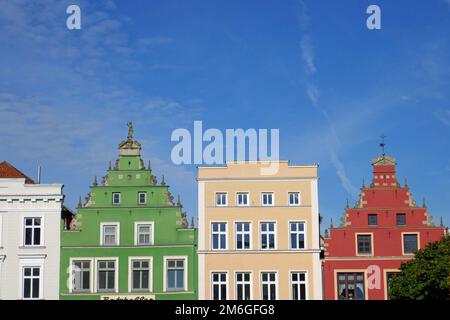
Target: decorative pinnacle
[110,165]
[326,233]
[331,223]
[130,131]
[406,182]
[382,144]
[347,205]
[192,223]
[95,181]
[442,222]
[149,165]
[364,182]
[80,204]
[424,204]
[179,202]
[163,182]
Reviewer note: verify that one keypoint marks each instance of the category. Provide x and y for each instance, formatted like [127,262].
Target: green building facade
[129,240]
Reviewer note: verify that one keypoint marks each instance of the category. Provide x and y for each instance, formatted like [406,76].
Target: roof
[8,171]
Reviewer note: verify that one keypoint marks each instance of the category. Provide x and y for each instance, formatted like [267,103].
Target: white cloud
[308,53]
[443,116]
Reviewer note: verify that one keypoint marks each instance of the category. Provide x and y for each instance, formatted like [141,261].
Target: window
[364,243]
[116,197]
[389,277]
[243,286]
[297,235]
[140,270]
[31,281]
[409,243]
[33,232]
[268,235]
[81,276]
[372,219]
[350,286]
[243,235]
[219,286]
[175,274]
[267,199]
[219,236]
[221,199]
[242,199]
[142,197]
[298,285]
[294,198]
[269,285]
[401,219]
[110,234]
[106,275]
[144,234]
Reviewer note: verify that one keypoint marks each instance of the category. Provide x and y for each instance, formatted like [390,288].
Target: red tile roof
[7,170]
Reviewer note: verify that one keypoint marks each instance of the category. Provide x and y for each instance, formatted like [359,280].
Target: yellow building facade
[259,232]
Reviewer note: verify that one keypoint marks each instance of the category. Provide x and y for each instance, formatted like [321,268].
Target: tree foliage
[427,276]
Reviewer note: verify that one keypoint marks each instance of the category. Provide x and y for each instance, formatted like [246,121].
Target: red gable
[9,171]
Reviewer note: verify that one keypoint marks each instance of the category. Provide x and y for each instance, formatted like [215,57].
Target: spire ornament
[424,204]
[110,166]
[442,222]
[331,223]
[80,204]
[179,202]
[130,131]
[163,182]
[95,181]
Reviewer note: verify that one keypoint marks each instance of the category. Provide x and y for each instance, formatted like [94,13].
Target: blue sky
[310,68]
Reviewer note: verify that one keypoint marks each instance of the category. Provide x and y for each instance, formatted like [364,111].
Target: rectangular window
[242,199]
[175,274]
[142,197]
[221,199]
[267,199]
[401,219]
[31,281]
[144,234]
[364,243]
[267,235]
[33,232]
[81,276]
[243,235]
[243,286]
[219,286]
[297,235]
[409,243]
[106,274]
[116,198]
[350,286]
[219,236]
[110,235]
[294,198]
[140,270]
[269,285]
[389,277]
[298,285]
[372,219]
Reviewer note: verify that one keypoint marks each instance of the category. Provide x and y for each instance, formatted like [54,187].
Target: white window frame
[219,233]
[33,216]
[221,204]
[220,283]
[139,197]
[243,283]
[262,199]
[298,283]
[299,199]
[247,194]
[130,273]
[91,275]
[32,262]
[243,233]
[136,234]
[269,282]
[116,274]
[185,275]
[297,233]
[120,198]
[267,233]
[117,225]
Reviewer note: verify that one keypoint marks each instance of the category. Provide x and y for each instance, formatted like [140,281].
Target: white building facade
[30,220]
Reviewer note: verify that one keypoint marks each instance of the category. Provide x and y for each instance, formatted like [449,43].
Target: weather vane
[382,144]
[130,130]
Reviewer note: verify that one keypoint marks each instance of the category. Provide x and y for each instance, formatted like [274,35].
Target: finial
[80,204]
[331,223]
[347,205]
[95,181]
[382,144]
[149,165]
[192,223]
[179,201]
[110,165]
[364,183]
[130,130]
[424,204]
[406,182]
[442,222]
[326,233]
[163,182]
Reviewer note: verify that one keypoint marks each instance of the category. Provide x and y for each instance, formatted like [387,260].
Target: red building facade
[383,229]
